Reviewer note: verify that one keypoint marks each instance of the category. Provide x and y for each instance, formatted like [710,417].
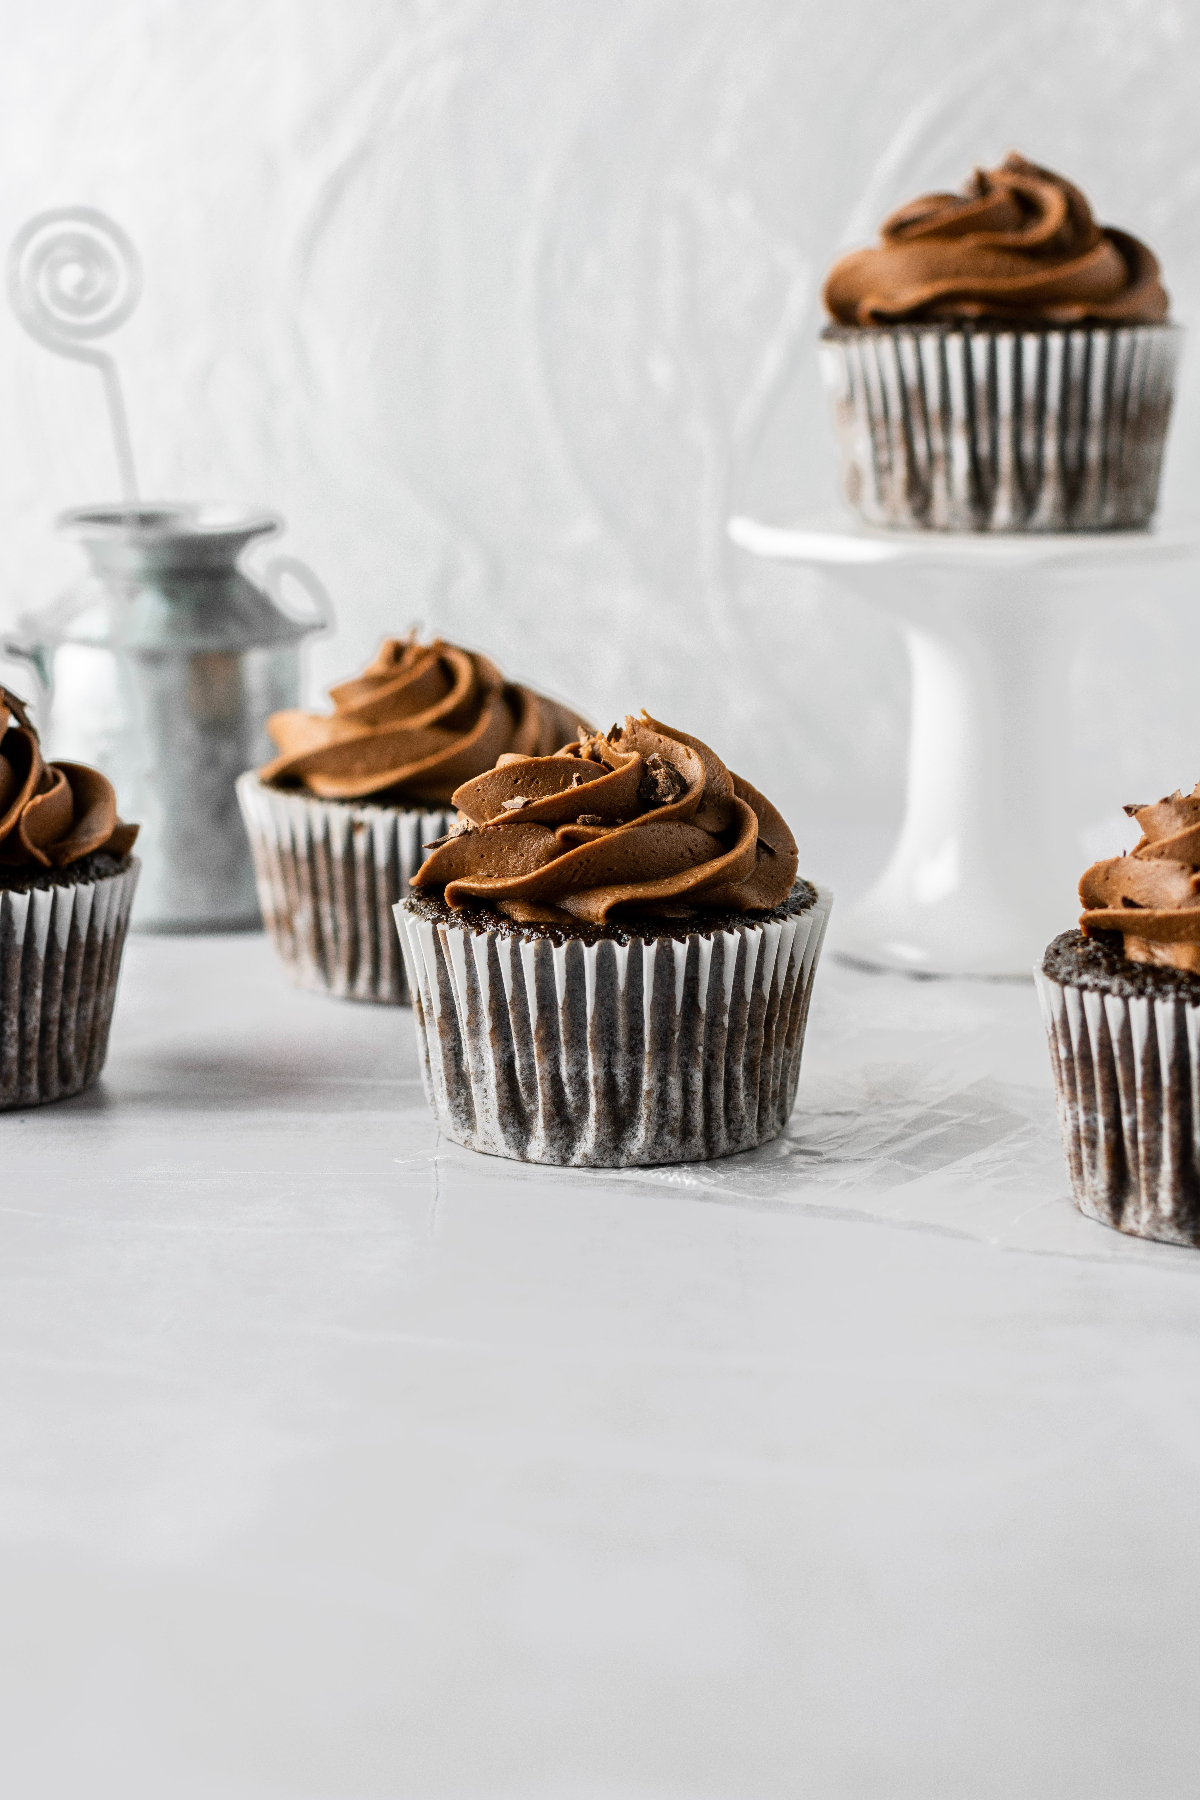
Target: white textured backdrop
[507,304]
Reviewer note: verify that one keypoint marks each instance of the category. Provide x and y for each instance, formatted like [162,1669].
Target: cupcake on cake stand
[1001,370]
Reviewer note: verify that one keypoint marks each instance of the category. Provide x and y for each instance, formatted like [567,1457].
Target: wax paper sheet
[923,1103]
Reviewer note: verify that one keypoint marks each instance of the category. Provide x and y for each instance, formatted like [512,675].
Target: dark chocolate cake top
[1099,964]
[430,905]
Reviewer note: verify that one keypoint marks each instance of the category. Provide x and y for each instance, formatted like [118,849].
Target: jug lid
[199,524]
[165,578]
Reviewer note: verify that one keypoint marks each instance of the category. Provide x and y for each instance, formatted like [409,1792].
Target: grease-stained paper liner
[1002,430]
[1127,1078]
[329,874]
[612,1054]
[60,955]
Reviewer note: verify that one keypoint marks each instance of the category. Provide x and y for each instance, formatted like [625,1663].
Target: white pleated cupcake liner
[328,874]
[1002,430]
[60,957]
[1127,1081]
[611,1055]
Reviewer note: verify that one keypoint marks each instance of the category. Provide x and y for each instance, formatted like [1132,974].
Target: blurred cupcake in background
[611,956]
[1000,362]
[67,878]
[341,820]
[1120,998]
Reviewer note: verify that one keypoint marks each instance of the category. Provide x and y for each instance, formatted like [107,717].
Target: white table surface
[340,1462]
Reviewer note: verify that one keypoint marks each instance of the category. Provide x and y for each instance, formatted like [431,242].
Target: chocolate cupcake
[1000,362]
[1121,1002]
[66,887]
[343,817]
[611,957]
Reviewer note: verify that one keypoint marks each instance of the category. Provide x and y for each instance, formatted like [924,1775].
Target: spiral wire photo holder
[74,276]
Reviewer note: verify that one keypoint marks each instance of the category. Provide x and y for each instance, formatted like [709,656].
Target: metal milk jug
[160,667]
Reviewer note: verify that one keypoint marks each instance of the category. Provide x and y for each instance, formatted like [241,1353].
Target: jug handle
[322,617]
[38,661]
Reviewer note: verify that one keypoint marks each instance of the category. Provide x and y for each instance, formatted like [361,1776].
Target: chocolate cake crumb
[516,804]
[589,819]
[661,782]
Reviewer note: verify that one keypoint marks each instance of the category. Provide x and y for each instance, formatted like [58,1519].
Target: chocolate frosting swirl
[51,814]
[1152,896]
[418,721]
[1019,246]
[646,822]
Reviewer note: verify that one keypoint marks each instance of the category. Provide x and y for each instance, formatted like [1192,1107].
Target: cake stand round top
[983,873]
[830,541]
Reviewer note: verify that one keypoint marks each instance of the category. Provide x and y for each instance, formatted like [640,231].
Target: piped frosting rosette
[610,956]
[51,814]
[1019,244]
[1001,361]
[1152,896]
[341,819]
[418,721]
[1121,1003]
[67,880]
[645,821]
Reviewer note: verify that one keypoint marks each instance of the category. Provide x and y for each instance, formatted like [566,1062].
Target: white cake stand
[987,864]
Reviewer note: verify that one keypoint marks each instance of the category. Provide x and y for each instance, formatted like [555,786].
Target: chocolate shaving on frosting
[1152,896]
[1020,245]
[51,814]
[592,845]
[418,721]
[661,782]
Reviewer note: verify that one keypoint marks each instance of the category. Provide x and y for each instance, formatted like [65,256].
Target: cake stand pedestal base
[986,868]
